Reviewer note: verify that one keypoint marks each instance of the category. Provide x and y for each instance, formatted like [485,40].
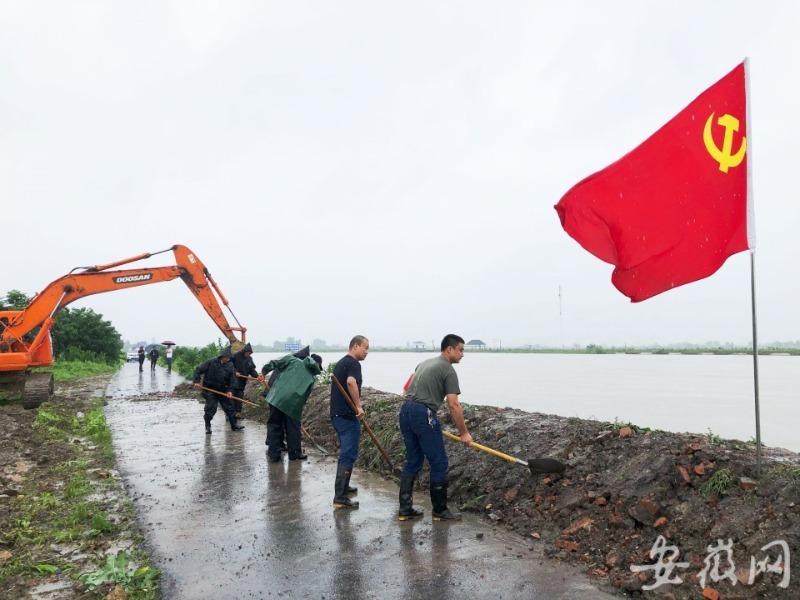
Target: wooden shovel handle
[249,377]
[202,387]
[486,449]
[364,421]
[302,429]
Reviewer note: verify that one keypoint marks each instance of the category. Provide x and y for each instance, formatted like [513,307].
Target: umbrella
[168,343]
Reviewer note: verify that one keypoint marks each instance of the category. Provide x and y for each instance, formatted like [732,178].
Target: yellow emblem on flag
[723,155]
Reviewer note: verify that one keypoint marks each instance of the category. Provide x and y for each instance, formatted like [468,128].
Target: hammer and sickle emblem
[723,155]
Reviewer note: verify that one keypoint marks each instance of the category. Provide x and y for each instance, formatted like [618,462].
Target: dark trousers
[153,364]
[349,432]
[237,405]
[169,365]
[278,424]
[141,364]
[422,434]
[211,407]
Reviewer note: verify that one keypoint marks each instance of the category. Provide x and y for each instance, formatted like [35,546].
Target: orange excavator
[25,334]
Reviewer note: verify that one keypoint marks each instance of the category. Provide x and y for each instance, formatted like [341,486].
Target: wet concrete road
[224,523]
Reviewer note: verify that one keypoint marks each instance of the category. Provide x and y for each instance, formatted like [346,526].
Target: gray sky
[379,168]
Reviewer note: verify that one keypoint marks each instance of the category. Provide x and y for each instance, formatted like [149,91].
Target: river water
[670,392]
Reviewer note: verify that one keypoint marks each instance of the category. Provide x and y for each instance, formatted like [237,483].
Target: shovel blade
[545,465]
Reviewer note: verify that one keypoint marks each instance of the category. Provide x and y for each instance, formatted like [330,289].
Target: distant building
[475,345]
[419,346]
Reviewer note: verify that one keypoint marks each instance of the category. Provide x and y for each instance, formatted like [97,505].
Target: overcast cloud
[379,168]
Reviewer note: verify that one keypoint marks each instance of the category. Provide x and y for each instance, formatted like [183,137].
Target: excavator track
[12,385]
[39,387]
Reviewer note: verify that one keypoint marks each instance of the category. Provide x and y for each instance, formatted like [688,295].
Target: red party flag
[675,208]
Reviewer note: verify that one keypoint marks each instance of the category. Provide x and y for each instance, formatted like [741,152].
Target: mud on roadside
[67,528]
[624,487]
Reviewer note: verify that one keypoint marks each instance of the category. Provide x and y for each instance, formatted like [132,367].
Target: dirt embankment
[623,488]
[67,528]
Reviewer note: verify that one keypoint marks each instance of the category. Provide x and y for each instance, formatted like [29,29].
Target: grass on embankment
[68,370]
[71,509]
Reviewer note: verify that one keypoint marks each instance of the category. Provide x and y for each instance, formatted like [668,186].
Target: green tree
[83,334]
[14,300]
[187,358]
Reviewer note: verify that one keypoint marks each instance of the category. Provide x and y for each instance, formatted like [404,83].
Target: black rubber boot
[340,498]
[300,456]
[208,426]
[235,424]
[348,489]
[439,501]
[407,509]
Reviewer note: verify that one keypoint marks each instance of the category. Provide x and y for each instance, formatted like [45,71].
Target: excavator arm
[21,346]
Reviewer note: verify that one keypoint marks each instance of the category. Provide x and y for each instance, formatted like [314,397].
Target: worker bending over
[217,374]
[287,398]
[434,381]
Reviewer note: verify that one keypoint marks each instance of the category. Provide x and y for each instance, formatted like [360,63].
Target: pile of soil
[623,488]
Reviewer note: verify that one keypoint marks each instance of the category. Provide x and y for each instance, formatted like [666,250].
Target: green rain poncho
[292,388]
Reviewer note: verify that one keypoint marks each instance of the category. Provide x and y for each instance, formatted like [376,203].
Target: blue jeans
[349,432]
[422,434]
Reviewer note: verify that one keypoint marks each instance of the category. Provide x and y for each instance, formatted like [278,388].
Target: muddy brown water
[223,523]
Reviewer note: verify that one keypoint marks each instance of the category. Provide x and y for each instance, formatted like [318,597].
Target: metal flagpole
[751,242]
[560,319]
[755,360]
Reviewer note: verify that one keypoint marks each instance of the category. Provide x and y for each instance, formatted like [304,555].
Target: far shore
[725,351]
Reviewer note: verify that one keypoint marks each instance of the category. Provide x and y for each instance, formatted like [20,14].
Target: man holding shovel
[243,365]
[217,375]
[345,419]
[277,419]
[434,380]
[286,398]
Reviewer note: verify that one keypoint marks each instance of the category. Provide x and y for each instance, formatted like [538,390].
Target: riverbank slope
[624,487]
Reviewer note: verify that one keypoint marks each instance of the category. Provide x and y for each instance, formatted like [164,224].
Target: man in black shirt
[217,375]
[345,420]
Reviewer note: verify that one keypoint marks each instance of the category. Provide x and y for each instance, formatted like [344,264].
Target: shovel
[303,429]
[536,465]
[371,433]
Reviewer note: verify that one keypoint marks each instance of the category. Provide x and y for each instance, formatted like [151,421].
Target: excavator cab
[19,356]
